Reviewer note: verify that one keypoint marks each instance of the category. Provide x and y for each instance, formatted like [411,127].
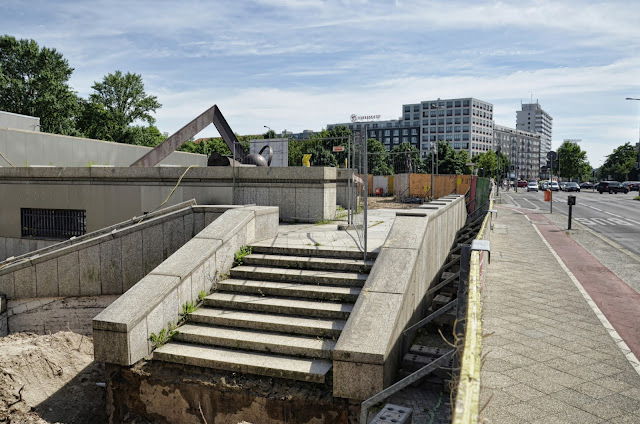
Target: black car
[586,184]
[572,187]
[632,185]
[611,187]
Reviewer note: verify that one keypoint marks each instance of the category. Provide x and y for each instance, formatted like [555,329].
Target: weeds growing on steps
[240,254]
[163,336]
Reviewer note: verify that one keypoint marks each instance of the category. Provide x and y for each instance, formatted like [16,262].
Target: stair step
[298,275]
[310,291]
[280,366]
[279,305]
[316,251]
[256,340]
[308,262]
[269,322]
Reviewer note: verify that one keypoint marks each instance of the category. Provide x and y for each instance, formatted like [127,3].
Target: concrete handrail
[466,407]
[366,354]
[121,332]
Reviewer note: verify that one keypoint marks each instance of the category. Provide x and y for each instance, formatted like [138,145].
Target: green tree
[269,134]
[451,161]
[117,102]
[619,164]
[488,163]
[405,158]
[143,136]
[572,161]
[34,82]
[377,158]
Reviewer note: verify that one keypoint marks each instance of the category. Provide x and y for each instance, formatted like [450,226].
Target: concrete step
[312,370]
[279,305]
[298,275]
[322,327]
[315,251]
[271,288]
[308,262]
[256,340]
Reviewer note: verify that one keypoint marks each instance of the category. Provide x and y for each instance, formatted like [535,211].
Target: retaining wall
[121,332]
[4,329]
[366,354]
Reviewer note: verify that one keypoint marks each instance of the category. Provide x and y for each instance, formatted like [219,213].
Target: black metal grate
[53,223]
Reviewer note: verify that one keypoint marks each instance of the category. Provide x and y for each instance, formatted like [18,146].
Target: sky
[303,64]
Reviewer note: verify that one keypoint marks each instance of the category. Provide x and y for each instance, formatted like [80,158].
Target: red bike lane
[619,303]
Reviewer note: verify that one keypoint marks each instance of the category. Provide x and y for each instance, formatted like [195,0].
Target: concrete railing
[121,333]
[105,262]
[366,354]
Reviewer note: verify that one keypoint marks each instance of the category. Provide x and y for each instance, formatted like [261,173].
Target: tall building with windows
[522,148]
[466,124]
[532,118]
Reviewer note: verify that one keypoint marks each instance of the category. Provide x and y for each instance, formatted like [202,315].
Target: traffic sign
[552,155]
[338,148]
[544,169]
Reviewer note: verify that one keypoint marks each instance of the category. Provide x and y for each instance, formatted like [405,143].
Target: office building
[522,148]
[532,118]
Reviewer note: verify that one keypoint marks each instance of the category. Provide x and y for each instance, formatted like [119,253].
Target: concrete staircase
[279,314]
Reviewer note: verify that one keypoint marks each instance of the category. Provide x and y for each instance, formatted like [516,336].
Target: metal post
[432,166]
[463,284]
[233,168]
[551,189]
[350,177]
[570,210]
[366,189]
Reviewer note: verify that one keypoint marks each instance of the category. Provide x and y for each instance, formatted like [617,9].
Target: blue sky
[302,64]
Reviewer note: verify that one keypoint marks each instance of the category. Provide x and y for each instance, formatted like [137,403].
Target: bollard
[571,200]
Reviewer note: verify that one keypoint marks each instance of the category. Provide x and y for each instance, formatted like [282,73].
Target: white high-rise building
[532,118]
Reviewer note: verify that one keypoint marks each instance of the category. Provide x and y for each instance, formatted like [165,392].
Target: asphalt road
[614,216]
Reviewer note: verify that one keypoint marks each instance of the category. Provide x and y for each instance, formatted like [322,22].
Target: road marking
[633,360]
[533,204]
[613,214]
[601,221]
[635,222]
[599,210]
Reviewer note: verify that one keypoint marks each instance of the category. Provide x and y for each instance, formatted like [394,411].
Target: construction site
[153,285]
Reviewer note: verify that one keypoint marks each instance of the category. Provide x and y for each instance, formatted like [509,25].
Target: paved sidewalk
[549,357]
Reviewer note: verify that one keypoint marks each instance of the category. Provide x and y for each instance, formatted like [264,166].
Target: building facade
[522,148]
[532,118]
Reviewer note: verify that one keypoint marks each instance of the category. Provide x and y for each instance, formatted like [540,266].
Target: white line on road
[599,210]
[533,204]
[613,214]
[635,222]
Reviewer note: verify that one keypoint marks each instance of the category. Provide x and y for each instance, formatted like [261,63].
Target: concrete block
[111,266]
[4,325]
[7,286]
[228,224]
[209,217]
[266,222]
[173,236]
[89,259]
[152,239]
[132,264]
[3,303]
[133,306]
[188,227]
[139,344]
[303,208]
[25,283]
[407,232]
[171,307]
[386,276]
[155,323]
[110,347]
[211,273]
[184,292]
[188,257]
[197,283]
[357,381]
[47,278]
[198,222]
[288,203]
[69,274]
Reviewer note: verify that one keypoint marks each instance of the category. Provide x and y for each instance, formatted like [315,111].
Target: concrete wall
[4,329]
[121,332]
[366,354]
[104,263]
[19,122]
[111,195]
[27,148]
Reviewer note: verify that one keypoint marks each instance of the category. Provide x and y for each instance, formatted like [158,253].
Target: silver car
[532,186]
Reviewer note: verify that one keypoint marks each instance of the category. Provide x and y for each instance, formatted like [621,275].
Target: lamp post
[268,128]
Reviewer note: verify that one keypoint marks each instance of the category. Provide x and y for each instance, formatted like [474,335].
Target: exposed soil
[50,379]
[378,202]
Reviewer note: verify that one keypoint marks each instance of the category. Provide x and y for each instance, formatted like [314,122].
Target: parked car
[554,186]
[611,187]
[522,183]
[533,186]
[544,185]
[571,187]
[562,185]
[586,184]
[632,185]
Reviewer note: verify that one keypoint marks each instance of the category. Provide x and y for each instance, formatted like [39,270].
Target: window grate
[53,223]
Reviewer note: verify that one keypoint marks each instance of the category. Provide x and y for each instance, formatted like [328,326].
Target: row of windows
[448,121]
[446,137]
[442,112]
[445,104]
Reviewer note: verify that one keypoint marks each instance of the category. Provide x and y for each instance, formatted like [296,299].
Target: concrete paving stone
[592,389]
[633,393]
[555,419]
[549,405]
[497,415]
[520,361]
[613,384]
[573,398]
[611,407]
[524,392]
[630,418]
[585,373]
[560,364]
[575,415]
[525,412]
[580,359]
[497,380]
[605,369]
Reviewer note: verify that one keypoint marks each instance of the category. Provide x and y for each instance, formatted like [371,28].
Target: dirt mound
[51,378]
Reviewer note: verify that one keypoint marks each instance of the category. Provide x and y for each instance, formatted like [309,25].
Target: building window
[53,223]
[387,132]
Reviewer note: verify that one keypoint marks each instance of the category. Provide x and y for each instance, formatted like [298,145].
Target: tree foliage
[619,164]
[572,161]
[34,82]
[451,161]
[117,102]
[406,158]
